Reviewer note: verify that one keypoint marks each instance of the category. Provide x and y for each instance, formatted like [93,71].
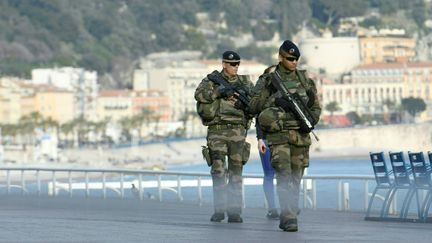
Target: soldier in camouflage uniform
[288,143]
[227,121]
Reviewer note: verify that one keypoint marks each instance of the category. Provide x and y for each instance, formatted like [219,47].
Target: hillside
[110,35]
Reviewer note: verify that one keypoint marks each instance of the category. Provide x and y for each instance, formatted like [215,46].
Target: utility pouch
[246,152]
[206,155]
[207,112]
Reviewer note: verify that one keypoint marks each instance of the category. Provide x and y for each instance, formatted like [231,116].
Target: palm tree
[81,129]
[127,125]
[332,107]
[67,128]
[100,127]
[28,124]
[51,123]
[389,107]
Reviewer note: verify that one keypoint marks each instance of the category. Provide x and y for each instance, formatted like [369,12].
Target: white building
[82,82]
[334,55]
[180,79]
[371,86]
[363,98]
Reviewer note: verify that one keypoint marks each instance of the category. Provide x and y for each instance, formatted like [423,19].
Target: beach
[333,143]
[159,155]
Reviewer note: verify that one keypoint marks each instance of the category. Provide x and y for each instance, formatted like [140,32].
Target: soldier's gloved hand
[239,105]
[225,92]
[304,128]
[283,103]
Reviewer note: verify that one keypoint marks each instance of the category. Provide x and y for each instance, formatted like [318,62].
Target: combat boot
[289,225]
[235,218]
[272,214]
[217,217]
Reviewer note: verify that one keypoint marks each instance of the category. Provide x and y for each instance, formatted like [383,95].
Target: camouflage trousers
[227,177]
[288,162]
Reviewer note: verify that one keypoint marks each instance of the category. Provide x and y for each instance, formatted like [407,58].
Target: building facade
[371,88]
[378,49]
[81,82]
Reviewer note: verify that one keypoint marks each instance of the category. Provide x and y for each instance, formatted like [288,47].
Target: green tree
[67,128]
[330,11]
[332,107]
[263,31]
[413,105]
[371,22]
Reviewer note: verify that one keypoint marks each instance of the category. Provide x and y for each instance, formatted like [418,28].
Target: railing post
[38,184]
[140,188]
[366,194]
[159,183]
[346,197]
[122,185]
[53,179]
[70,183]
[87,192]
[8,182]
[103,185]
[199,191]
[339,196]
[22,183]
[179,189]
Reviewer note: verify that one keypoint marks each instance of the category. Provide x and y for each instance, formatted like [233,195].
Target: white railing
[74,179]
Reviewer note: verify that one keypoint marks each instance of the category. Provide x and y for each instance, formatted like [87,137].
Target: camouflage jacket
[220,110]
[278,125]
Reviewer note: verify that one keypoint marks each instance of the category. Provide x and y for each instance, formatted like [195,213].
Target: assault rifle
[296,105]
[240,94]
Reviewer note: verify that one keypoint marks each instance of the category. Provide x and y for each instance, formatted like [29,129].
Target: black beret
[289,48]
[230,56]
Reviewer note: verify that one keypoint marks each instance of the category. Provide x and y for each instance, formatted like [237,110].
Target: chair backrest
[430,158]
[380,169]
[400,170]
[420,170]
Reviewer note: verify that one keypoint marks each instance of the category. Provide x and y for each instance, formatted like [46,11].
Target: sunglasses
[233,64]
[291,59]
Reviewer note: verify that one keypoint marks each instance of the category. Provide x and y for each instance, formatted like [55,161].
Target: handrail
[180,173]
[87,182]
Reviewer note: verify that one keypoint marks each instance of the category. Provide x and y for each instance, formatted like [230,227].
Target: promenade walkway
[33,219]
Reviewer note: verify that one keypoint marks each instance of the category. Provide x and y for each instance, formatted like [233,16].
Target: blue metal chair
[382,178]
[402,180]
[428,199]
[421,172]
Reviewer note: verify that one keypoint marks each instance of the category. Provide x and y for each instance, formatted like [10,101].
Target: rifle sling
[278,84]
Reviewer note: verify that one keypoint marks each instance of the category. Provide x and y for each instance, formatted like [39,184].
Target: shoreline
[179,153]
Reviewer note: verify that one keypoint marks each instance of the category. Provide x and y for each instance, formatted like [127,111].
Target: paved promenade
[31,219]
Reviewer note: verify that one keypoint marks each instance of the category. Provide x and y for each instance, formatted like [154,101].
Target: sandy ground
[152,156]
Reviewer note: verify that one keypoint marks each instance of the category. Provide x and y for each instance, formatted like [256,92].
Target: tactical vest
[222,111]
[278,124]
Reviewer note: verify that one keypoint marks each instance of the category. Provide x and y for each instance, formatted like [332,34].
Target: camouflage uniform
[289,148]
[226,138]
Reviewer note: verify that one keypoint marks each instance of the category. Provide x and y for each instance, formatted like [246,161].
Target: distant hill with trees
[110,35]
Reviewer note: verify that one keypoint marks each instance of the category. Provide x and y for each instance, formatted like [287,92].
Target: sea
[326,190]
[327,193]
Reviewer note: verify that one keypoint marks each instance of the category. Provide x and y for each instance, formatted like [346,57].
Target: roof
[395,65]
[337,120]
